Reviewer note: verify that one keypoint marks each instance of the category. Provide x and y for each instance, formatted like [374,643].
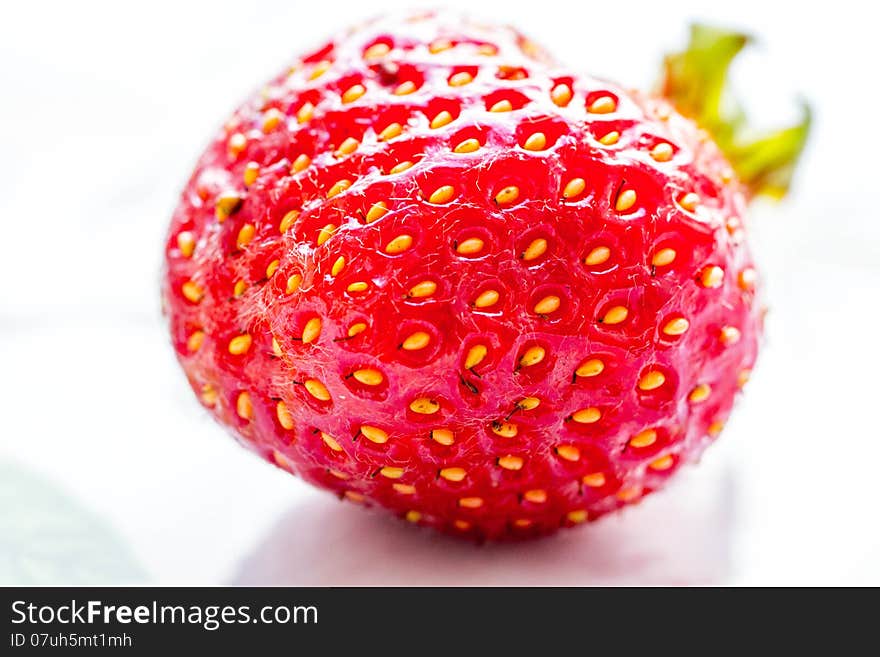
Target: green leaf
[695,81]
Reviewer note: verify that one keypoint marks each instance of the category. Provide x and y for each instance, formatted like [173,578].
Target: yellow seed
[390,132]
[625,200]
[470,246]
[280,460]
[374,434]
[424,406]
[312,330]
[597,256]
[487,49]
[577,516]
[591,367]
[376,211]
[243,406]
[528,403]
[532,356]
[652,380]
[439,46]
[610,139]
[285,419]
[442,195]
[357,286]
[442,119]
[339,187]
[305,113]
[629,494]
[453,474]
[400,167]
[700,393]
[536,142]
[347,147]
[443,436]
[743,377]
[587,415]
[272,267]
[319,69]
[338,266]
[325,233]
[689,201]
[353,496]
[712,276]
[475,356]
[416,341]
[467,146]
[502,106]
[240,344]
[568,452]
[339,474]
[644,438]
[423,289]
[186,243]
[594,480]
[602,105]
[510,462]
[561,95]
[301,163]
[662,152]
[276,348]
[399,244]
[317,390]
[237,143]
[662,463]
[245,235]
[271,120]
[547,305]
[504,429]
[369,377]
[413,516]
[293,283]
[747,279]
[228,204]
[192,291]
[251,173]
[535,249]
[487,298]
[460,79]
[574,187]
[356,329]
[470,502]
[663,257]
[730,335]
[405,88]
[507,195]
[522,523]
[404,489]
[195,340]
[331,442]
[535,496]
[391,472]
[377,50]
[676,326]
[615,315]
[715,428]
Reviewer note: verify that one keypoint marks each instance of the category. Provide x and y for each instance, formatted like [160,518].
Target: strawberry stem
[694,80]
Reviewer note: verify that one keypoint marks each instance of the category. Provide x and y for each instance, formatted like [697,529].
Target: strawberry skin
[428,269]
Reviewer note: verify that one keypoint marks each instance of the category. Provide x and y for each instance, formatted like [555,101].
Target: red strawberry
[426,269]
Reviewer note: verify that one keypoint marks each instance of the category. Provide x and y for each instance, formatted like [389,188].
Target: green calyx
[695,82]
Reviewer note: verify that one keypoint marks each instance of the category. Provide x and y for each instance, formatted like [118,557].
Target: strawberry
[428,269]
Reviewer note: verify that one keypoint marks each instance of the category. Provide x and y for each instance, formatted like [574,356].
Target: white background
[104,108]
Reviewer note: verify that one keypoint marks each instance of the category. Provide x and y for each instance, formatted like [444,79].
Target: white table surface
[111,472]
